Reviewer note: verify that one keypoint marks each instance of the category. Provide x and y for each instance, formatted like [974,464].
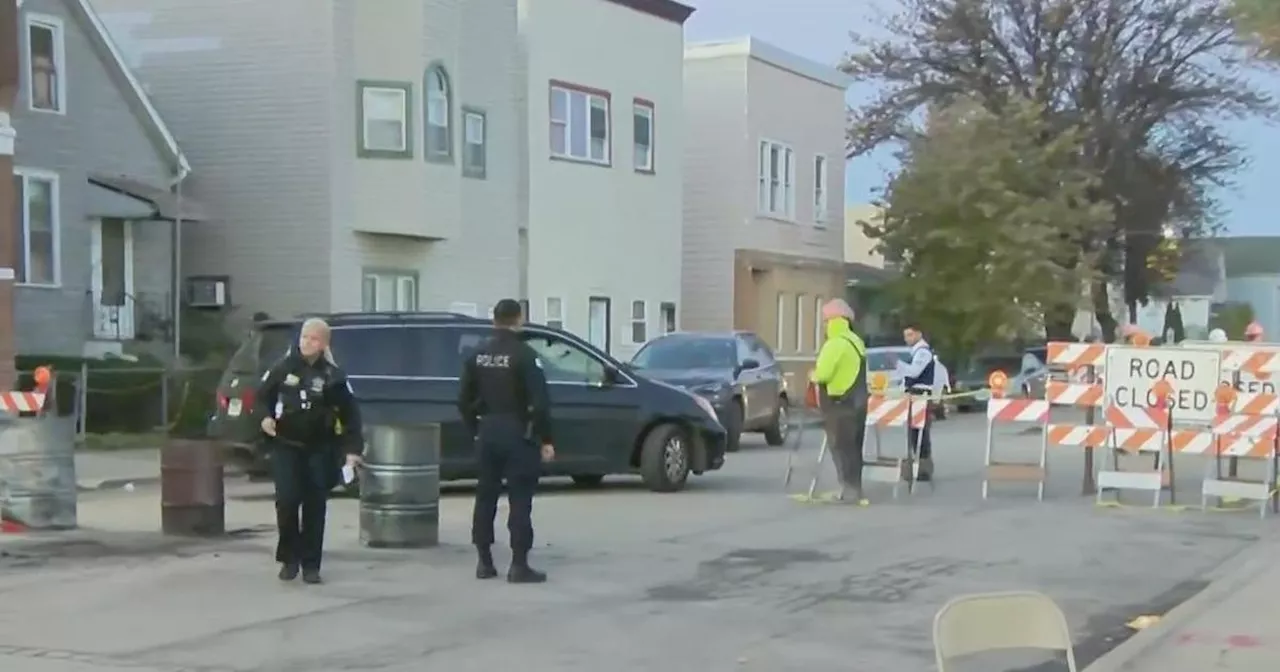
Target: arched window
[439,109]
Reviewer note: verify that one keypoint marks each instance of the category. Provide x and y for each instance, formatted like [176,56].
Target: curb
[1225,580]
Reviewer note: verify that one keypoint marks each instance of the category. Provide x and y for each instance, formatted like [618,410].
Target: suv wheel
[733,427]
[587,480]
[664,459]
[776,433]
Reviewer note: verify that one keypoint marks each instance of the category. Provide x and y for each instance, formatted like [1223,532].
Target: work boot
[485,568]
[288,571]
[926,470]
[523,573]
[311,576]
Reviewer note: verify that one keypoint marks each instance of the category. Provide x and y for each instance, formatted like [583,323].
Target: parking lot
[731,574]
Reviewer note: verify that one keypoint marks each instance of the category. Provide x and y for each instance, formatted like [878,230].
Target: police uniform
[920,384]
[504,404]
[307,400]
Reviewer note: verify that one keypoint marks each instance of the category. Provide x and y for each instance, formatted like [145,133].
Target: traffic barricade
[1247,429]
[1003,411]
[1140,431]
[883,414]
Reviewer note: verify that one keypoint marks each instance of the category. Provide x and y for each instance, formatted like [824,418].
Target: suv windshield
[688,353]
[886,360]
[264,345]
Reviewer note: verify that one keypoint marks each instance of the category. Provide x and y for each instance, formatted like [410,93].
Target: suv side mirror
[748,364]
[612,376]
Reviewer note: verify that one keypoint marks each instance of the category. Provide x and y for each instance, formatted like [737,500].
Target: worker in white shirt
[920,379]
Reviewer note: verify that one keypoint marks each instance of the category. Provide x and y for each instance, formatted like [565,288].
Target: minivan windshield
[687,353]
[265,344]
[887,360]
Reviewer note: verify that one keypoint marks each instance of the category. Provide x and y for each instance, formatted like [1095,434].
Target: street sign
[1132,374]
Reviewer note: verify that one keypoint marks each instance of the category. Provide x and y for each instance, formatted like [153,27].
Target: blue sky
[819,29]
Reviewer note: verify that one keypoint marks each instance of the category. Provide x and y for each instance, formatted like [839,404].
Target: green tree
[985,218]
[1259,21]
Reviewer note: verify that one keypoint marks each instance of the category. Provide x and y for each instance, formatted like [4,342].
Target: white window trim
[821,195]
[643,320]
[817,322]
[397,280]
[675,317]
[59,55]
[56,196]
[480,118]
[646,110]
[780,328]
[786,181]
[546,313]
[568,154]
[404,118]
[801,300]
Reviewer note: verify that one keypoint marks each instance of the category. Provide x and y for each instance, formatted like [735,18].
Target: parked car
[1026,378]
[736,372]
[885,360]
[404,368]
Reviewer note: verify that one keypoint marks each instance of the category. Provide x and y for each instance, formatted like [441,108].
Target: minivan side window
[565,362]
[760,351]
[437,352]
[371,351]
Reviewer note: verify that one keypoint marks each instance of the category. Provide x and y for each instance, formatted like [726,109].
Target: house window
[439,139]
[817,323]
[389,291]
[384,120]
[642,115]
[639,322]
[777,176]
[554,313]
[38,218]
[46,63]
[780,328]
[802,303]
[580,124]
[668,316]
[474,141]
[819,189]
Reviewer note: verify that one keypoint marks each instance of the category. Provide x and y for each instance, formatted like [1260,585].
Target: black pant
[303,476]
[845,423]
[505,454]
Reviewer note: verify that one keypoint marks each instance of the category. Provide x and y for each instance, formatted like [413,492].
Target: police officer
[918,379]
[841,376]
[504,404]
[301,399]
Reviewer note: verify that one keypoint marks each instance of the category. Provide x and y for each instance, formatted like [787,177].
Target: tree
[1145,81]
[984,216]
[1259,21]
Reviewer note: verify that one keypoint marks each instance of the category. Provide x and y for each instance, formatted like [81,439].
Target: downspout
[175,255]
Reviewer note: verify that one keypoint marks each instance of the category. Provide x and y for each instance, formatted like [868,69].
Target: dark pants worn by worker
[303,476]
[506,453]
[845,421]
[920,441]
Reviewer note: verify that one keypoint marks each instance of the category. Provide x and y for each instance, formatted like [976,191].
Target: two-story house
[605,115]
[95,171]
[364,155]
[764,194]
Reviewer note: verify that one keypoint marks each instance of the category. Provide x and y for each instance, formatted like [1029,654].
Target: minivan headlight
[713,390]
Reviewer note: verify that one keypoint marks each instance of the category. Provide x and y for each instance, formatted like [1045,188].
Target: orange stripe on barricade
[1252,361]
[1137,418]
[1059,393]
[1192,441]
[1256,404]
[1245,445]
[1018,410]
[1075,355]
[1080,436]
[21,402]
[1135,440]
[1253,425]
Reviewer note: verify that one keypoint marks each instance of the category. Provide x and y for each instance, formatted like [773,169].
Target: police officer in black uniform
[302,399]
[504,404]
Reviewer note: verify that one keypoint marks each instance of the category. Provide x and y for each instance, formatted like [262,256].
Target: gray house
[366,158]
[95,168]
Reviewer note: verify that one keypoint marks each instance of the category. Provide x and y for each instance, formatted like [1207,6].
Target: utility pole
[8,199]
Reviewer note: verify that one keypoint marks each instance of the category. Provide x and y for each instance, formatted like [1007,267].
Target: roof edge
[764,52]
[668,10]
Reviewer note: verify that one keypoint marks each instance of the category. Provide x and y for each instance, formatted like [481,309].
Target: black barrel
[400,487]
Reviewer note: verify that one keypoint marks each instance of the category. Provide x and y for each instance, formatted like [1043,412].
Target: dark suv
[736,372]
[404,368]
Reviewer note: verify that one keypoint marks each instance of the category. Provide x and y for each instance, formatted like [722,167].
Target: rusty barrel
[38,472]
[192,499]
[400,487]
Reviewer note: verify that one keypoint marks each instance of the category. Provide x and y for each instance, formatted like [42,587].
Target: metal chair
[973,624]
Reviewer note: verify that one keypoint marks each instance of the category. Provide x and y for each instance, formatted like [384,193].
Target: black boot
[484,565]
[288,571]
[311,576]
[521,572]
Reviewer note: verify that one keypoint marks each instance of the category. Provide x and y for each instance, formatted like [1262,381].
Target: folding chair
[973,624]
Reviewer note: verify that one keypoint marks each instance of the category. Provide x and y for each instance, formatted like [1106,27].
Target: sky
[819,30]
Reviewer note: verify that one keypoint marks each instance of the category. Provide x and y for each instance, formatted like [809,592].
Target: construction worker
[1253,333]
[841,378]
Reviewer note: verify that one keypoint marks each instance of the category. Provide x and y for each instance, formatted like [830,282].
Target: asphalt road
[731,574]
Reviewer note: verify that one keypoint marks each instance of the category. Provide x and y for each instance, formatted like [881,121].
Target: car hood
[688,378]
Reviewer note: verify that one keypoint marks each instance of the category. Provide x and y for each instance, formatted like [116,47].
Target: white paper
[348,474]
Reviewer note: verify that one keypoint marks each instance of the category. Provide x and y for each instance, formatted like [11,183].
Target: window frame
[405,90]
[396,277]
[783,204]
[590,95]
[642,322]
[780,330]
[470,169]
[24,226]
[802,301]
[662,317]
[644,108]
[56,26]
[818,301]
[547,320]
[821,166]
[430,152]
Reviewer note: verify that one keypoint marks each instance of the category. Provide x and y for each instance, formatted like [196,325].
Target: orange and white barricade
[1083,362]
[885,413]
[1002,411]
[1144,431]
[1247,428]
[22,403]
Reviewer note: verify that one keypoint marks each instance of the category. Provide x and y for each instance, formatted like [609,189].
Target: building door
[600,322]
[111,254]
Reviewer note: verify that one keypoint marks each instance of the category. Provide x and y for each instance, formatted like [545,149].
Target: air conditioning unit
[209,291]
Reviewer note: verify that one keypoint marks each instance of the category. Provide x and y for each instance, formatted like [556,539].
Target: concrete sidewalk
[116,469]
[1233,625]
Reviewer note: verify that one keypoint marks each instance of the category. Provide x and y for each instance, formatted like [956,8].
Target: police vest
[301,412]
[925,379]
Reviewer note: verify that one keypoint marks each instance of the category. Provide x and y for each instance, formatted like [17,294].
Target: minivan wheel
[733,423]
[776,433]
[587,480]
[664,459]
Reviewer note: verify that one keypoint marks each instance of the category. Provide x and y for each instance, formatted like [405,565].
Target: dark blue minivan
[404,368]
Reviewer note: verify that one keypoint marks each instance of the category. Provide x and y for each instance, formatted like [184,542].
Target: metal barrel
[38,472]
[192,495]
[400,487]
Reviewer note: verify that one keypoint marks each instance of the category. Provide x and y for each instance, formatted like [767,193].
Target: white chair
[973,624]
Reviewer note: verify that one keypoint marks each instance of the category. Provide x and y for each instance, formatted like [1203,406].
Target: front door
[600,322]
[112,290]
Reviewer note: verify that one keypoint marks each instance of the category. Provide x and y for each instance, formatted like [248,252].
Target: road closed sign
[1193,374]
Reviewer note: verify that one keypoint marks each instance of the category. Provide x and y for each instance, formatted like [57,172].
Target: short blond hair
[315,324]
